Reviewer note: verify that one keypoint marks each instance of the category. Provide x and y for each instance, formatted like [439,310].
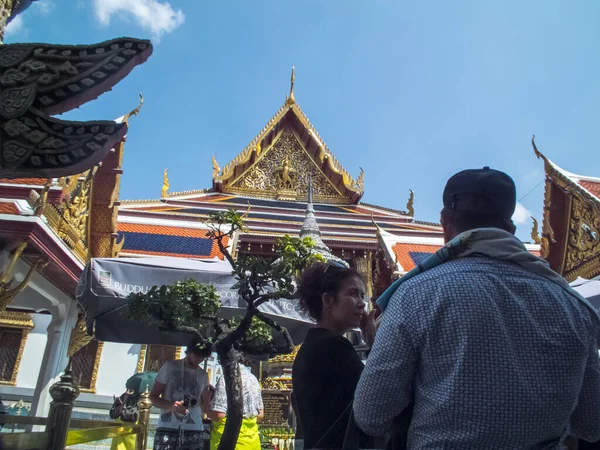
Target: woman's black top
[326,372]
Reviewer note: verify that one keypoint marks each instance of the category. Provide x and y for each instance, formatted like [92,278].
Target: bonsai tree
[192,307]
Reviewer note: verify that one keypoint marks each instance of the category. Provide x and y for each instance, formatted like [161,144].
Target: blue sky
[410,91]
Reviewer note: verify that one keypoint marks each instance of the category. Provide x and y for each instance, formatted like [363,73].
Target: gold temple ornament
[8,291]
[535,235]
[166,186]
[410,205]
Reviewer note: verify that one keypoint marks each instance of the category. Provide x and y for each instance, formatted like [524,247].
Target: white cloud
[156,16]
[522,215]
[44,6]
[16,26]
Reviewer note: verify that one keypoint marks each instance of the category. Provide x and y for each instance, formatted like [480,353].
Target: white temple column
[55,359]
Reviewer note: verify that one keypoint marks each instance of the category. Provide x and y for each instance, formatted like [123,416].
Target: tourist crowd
[481,346]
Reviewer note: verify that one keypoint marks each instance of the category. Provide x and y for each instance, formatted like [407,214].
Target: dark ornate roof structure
[38,80]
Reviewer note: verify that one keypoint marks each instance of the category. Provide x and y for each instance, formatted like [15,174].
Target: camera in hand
[189,402]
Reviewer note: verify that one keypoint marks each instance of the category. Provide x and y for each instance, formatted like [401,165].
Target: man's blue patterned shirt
[492,356]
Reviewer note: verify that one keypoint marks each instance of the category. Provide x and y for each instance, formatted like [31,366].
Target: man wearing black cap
[492,349]
[179,391]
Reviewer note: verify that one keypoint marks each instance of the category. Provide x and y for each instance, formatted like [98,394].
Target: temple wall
[117,363]
[33,353]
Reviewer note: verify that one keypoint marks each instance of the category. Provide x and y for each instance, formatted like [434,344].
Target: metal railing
[61,430]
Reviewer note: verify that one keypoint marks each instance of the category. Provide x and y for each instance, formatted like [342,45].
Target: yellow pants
[248,439]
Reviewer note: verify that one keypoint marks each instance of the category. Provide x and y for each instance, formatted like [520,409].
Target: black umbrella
[106,283]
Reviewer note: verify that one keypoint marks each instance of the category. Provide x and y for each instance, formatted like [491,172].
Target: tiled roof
[168,241]
[409,255]
[8,208]
[27,181]
[592,186]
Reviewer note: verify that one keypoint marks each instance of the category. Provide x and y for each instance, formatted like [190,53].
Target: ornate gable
[278,162]
[571,226]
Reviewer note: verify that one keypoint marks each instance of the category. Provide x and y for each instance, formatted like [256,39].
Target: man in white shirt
[178,392]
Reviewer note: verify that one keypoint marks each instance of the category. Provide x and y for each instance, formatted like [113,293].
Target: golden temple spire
[166,185]
[290,100]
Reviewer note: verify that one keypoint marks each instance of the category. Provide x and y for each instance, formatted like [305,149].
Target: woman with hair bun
[327,368]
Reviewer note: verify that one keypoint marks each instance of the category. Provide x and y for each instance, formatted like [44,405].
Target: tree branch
[266,297]
[192,330]
[289,346]
[265,349]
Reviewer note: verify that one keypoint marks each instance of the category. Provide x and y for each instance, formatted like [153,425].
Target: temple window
[14,328]
[152,357]
[85,364]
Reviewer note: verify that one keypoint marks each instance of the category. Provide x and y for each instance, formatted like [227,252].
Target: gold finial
[535,149]
[535,234]
[360,182]
[166,185]
[290,100]
[216,168]
[410,206]
[136,111]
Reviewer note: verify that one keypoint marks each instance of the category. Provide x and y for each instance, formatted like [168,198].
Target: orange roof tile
[406,254]
[409,255]
[8,208]
[592,186]
[159,229]
[27,181]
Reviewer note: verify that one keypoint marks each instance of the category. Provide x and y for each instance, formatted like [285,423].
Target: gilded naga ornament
[410,206]
[535,234]
[166,185]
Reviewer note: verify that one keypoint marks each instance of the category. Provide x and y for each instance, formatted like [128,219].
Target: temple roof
[404,253]
[589,186]
[571,222]
[276,164]
[340,226]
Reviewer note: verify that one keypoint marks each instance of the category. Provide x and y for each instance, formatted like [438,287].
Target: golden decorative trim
[224,175]
[13,376]
[588,270]
[141,358]
[283,142]
[79,336]
[70,218]
[94,379]
[16,319]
